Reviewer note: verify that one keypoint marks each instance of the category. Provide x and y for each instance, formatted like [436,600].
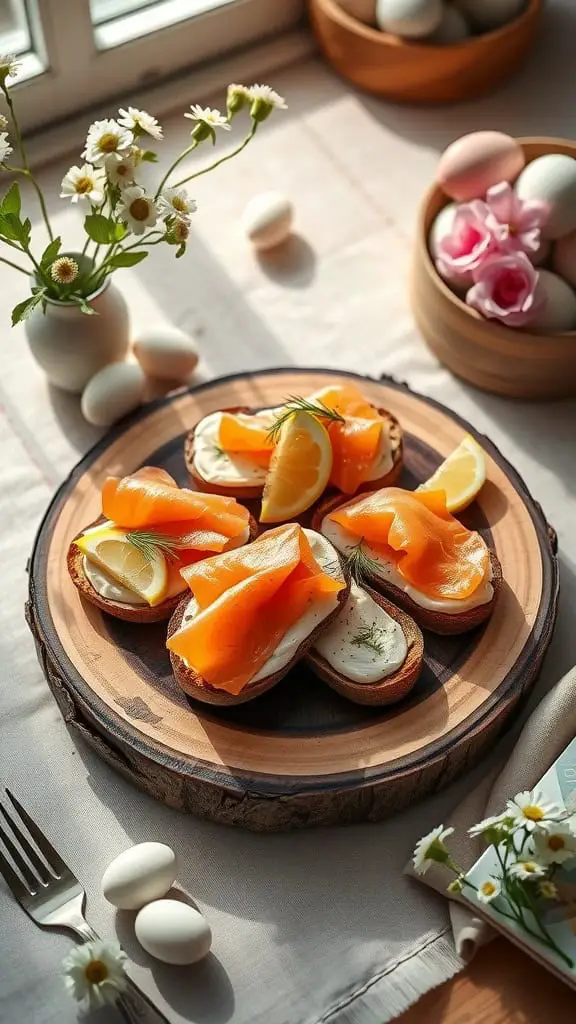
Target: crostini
[230,451]
[253,613]
[409,548]
[128,561]
[373,651]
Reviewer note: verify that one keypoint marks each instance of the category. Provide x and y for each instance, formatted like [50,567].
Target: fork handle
[133,1005]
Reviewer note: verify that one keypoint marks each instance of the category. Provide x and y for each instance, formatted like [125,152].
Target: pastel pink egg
[474,162]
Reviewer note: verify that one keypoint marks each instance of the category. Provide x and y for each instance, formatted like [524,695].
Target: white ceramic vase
[71,346]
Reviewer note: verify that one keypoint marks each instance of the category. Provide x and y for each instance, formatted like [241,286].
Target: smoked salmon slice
[431,549]
[248,599]
[247,436]
[141,502]
[356,443]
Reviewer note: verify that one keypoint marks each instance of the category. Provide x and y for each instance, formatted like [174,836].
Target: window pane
[107,10]
[14,28]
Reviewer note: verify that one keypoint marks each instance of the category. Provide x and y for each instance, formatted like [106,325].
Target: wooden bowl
[508,362]
[417,72]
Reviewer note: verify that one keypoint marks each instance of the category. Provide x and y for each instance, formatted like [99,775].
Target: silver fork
[52,896]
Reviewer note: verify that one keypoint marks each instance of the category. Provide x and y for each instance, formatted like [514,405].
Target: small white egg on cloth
[166,353]
[558,313]
[173,932]
[552,180]
[267,220]
[412,19]
[138,875]
[487,15]
[112,393]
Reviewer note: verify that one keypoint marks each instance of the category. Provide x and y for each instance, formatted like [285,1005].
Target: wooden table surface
[501,986]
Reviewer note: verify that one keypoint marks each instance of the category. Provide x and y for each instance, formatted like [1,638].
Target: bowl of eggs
[493,286]
[425,51]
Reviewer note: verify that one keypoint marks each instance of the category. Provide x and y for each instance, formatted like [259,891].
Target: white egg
[166,353]
[413,19]
[113,392]
[143,873]
[362,10]
[486,15]
[267,219]
[441,226]
[173,932]
[552,179]
[452,29]
[564,258]
[559,311]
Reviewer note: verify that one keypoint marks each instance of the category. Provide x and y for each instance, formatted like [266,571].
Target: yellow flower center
[96,972]
[180,204]
[533,812]
[556,842]
[530,867]
[488,888]
[108,143]
[84,185]
[139,209]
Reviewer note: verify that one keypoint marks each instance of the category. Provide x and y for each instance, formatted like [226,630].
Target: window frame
[68,73]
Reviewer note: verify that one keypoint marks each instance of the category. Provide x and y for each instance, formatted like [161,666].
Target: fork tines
[35,872]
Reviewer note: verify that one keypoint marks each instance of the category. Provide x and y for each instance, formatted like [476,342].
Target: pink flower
[520,220]
[473,237]
[506,289]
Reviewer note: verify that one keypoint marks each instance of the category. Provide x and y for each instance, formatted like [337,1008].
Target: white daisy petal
[137,209]
[104,138]
[94,973]
[430,848]
[555,844]
[489,890]
[140,122]
[9,66]
[5,147]
[496,821]
[207,115]
[174,202]
[268,95]
[120,169]
[3,123]
[531,811]
[84,183]
[527,870]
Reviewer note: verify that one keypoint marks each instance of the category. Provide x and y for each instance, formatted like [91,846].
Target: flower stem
[173,166]
[222,160]
[26,168]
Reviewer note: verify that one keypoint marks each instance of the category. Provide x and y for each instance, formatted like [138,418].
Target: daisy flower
[3,122]
[9,66]
[264,101]
[105,137]
[237,97]
[94,973]
[555,844]
[497,821]
[136,209]
[174,202]
[489,890]
[207,120]
[531,811]
[431,848]
[5,147]
[140,123]
[86,183]
[527,870]
[64,270]
[120,168]
[180,231]
[548,890]
[456,885]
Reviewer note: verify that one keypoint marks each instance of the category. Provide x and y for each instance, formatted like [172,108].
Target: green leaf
[23,309]
[149,157]
[50,253]
[84,307]
[13,228]
[100,229]
[127,259]
[181,251]
[119,232]
[11,202]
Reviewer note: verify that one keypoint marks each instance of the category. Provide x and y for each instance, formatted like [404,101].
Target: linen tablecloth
[309,928]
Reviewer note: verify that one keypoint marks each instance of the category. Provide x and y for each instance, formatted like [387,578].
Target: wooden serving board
[300,755]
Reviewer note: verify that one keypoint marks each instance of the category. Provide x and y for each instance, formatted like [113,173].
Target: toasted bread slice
[390,688]
[129,613]
[436,621]
[244,491]
[193,684]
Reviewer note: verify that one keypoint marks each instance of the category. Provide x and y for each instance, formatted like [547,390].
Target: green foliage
[149,157]
[23,310]
[101,229]
[127,259]
[11,202]
[14,229]
[50,253]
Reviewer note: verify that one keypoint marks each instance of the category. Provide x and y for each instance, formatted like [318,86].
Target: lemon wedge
[299,471]
[145,574]
[460,476]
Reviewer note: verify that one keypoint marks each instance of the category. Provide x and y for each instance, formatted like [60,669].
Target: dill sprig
[361,565]
[151,544]
[220,453]
[295,403]
[370,636]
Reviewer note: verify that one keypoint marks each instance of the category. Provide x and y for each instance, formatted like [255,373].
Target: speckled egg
[362,10]
[559,311]
[564,258]
[452,29]
[112,393]
[412,19]
[552,179]
[173,932]
[474,162]
[486,15]
[166,353]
